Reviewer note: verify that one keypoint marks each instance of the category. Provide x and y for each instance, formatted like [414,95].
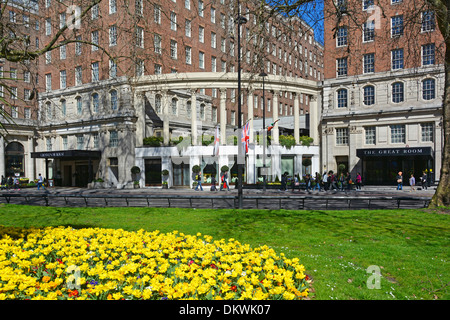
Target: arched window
[428,89]
[369,95]
[63,108]
[158,103]
[48,109]
[342,100]
[79,105]
[95,102]
[397,92]
[202,111]
[174,106]
[113,98]
[188,109]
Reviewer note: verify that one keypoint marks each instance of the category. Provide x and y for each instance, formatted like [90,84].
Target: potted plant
[165,175]
[135,172]
[195,170]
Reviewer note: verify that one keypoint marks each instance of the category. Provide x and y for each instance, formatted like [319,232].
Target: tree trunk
[442,194]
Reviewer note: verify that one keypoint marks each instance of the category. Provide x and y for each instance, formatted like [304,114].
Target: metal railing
[294,202]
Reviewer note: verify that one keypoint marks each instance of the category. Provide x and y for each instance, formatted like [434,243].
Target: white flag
[216,142]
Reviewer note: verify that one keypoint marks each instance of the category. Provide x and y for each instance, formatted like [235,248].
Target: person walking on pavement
[399,181]
[423,181]
[40,182]
[412,183]
[198,178]
[358,181]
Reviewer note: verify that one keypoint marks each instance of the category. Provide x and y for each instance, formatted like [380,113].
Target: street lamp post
[263,75]
[241,156]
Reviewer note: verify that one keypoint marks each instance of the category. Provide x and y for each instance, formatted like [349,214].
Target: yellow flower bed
[96,263]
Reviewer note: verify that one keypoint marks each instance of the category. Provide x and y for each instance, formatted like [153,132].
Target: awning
[68,154]
[395,152]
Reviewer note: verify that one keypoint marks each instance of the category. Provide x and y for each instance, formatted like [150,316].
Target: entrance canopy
[68,154]
[395,152]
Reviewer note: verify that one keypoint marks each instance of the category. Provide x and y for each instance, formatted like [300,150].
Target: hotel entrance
[380,166]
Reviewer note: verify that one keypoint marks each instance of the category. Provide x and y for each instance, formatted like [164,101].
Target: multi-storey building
[169,69]
[19,85]
[382,93]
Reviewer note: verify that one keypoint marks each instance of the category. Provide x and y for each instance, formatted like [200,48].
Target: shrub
[153,141]
[287,141]
[196,169]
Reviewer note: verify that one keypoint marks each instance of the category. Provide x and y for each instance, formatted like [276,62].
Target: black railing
[291,202]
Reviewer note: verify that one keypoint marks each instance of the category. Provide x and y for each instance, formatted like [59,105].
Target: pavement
[365,191]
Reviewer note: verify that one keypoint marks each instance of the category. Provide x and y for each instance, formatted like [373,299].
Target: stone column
[223,116]
[30,167]
[165,107]
[275,131]
[140,123]
[314,116]
[250,114]
[194,117]
[296,119]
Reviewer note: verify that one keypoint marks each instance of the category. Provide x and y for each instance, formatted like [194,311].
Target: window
[398,133]
[397,59]
[27,112]
[201,34]
[188,55]
[342,99]
[65,142]
[341,66]
[369,63]
[157,14]
[113,98]
[112,6]
[62,20]
[94,40]
[428,23]
[26,76]
[48,142]
[370,134]
[187,4]
[112,69]
[188,109]
[48,82]
[201,60]
[62,79]
[187,28]
[79,106]
[95,102]
[48,27]
[78,46]
[94,12]
[341,5]
[369,31]
[14,112]
[140,37]
[157,43]
[173,21]
[112,36]
[397,26]
[80,142]
[213,64]
[78,76]
[397,92]
[174,106]
[428,54]
[200,8]
[95,74]
[26,94]
[139,67]
[48,57]
[428,89]
[63,107]
[213,40]
[158,103]
[139,7]
[369,95]
[113,138]
[213,15]
[367,4]
[342,136]
[342,35]
[173,49]
[158,69]
[427,132]
[49,110]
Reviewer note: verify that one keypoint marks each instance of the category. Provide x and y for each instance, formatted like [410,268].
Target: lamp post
[241,155]
[263,75]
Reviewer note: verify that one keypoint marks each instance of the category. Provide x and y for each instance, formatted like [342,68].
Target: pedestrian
[412,182]
[325,181]
[399,181]
[283,181]
[40,182]
[423,181]
[3,183]
[332,178]
[308,182]
[198,178]
[10,183]
[224,184]
[213,183]
[358,181]
[341,181]
[16,184]
[318,182]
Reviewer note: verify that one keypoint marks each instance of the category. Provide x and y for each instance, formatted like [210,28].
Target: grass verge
[409,247]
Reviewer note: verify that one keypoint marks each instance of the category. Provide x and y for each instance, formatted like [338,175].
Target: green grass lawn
[410,247]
